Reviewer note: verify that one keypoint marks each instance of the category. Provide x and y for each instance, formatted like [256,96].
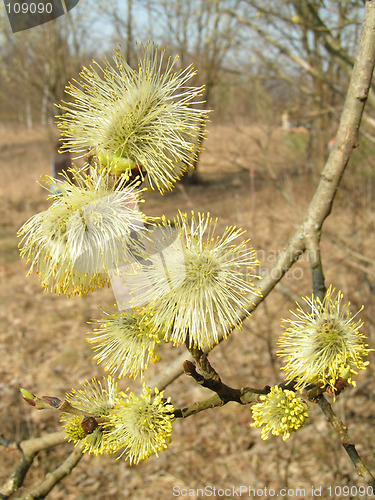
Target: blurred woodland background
[276,75]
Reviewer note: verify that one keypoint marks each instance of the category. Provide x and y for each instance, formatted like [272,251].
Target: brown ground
[43,345]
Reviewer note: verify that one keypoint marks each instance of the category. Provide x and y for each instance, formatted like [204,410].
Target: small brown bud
[340,385]
[89,424]
[29,401]
[52,401]
[189,367]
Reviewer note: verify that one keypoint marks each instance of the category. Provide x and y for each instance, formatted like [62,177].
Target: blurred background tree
[295,56]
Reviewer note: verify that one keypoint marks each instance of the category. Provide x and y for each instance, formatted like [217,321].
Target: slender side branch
[345,141]
[199,406]
[34,445]
[244,396]
[29,449]
[204,365]
[313,247]
[42,490]
[349,447]
[225,392]
[348,250]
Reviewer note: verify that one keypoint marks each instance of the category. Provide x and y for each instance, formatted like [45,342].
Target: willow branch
[54,477]
[243,396]
[348,446]
[313,248]
[345,141]
[208,371]
[215,384]
[199,406]
[29,449]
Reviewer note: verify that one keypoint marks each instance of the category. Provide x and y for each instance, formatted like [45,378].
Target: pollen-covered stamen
[279,412]
[140,426]
[138,117]
[323,345]
[202,270]
[91,227]
[124,343]
[201,285]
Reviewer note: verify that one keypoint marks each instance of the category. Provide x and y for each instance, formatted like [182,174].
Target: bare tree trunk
[28,115]
[129,33]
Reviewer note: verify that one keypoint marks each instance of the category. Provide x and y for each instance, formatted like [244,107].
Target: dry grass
[254,178]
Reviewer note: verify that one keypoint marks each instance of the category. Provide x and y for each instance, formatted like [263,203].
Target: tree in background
[301,56]
[37,64]
[309,45]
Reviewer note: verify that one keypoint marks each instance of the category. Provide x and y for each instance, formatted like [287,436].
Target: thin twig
[224,393]
[313,247]
[349,447]
[29,449]
[244,396]
[54,477]
[348,250]
[207,370]
[199,406]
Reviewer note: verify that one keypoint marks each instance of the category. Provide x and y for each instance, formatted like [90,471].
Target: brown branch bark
[348,446]
[224,394]
[54,477]
[345,141]
[29,449]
